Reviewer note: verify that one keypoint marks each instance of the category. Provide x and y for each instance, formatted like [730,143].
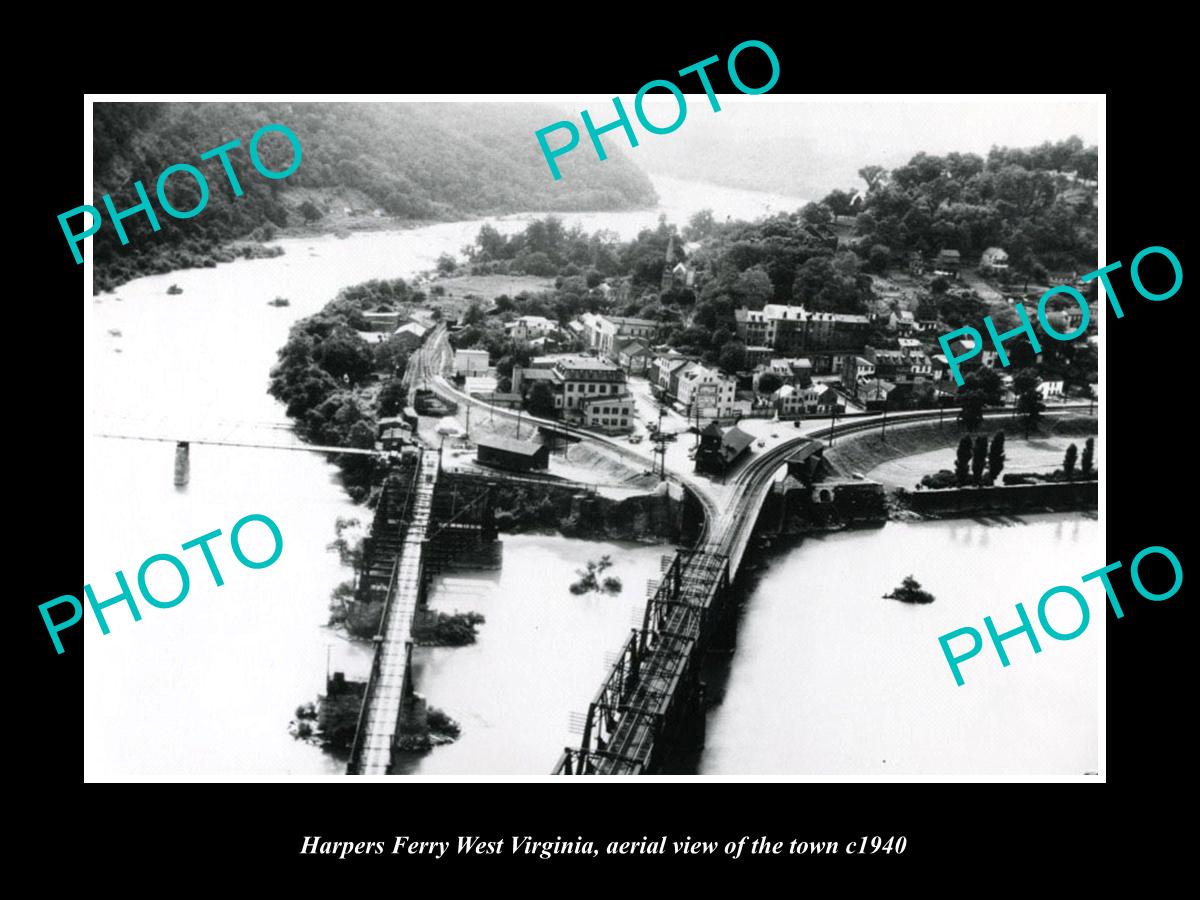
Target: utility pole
[883,425]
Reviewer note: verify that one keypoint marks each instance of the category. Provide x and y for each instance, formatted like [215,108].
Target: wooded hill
[415,161]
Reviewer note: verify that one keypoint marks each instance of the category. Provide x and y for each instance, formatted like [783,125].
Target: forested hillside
[415,161]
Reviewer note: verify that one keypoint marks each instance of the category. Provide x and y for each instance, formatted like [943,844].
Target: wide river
[207,688]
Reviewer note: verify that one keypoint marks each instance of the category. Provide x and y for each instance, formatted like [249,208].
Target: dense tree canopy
[1039,204]
[413,160]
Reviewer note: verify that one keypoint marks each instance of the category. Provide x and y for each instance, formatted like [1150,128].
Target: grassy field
[864,451]
[488,287]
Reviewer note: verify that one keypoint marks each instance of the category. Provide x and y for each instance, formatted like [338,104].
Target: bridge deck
[386,690]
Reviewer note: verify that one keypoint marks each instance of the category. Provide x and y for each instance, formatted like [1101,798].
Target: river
[207,688]
[831,679]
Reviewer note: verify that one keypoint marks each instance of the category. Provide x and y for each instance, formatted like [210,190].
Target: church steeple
[668,275]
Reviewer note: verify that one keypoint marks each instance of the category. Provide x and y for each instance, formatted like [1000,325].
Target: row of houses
[794,329]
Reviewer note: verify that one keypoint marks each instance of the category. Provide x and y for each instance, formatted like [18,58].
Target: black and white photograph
[532,438]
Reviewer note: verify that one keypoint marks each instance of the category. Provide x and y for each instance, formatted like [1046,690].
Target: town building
[856,369]
[511,454]
[902,321]
[756,356]
[948,262]
[606,333]
[382,321]
[993,261]
[889,364]
[470,362]
[706,393]
[664,369]
[612,415]
[634,357]
[1050,390]
[793,329]
[797,370]
[874,394]
[527,328]
[788,401]
[588,390]
[408,336]
[720,448]
[822,400]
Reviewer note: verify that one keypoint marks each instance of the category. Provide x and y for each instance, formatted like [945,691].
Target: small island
[910,592]
[589,578]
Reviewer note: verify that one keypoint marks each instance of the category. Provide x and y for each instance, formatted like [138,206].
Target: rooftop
[509,445]
[589,363]
[626,320]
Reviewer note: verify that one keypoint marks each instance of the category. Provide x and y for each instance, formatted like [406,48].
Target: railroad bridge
[652,700]
[427,519]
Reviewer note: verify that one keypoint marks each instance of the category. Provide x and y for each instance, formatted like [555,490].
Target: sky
[809,147]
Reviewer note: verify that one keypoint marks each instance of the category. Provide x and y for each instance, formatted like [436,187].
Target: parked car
[635,439]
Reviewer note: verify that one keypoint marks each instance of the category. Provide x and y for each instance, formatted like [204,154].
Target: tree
[1029,400]
[540,401]
[979,458]
[345,356]
[769,383]
[391,355]
[700,225]
[816,214]
[393,397]
[879,258]
[474,314]
[1087,460]
[970,413]
[733,357]
[447,264]
[874,176]
[1069,462]
[753,287]
[987,382]
[838,202]
[962,462]
[309,210]
[996,457]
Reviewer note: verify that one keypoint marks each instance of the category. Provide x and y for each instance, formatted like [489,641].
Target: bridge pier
[182,464]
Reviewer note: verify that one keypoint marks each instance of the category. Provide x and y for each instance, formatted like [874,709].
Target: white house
[1050,389]
[707,392]
[530,327]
